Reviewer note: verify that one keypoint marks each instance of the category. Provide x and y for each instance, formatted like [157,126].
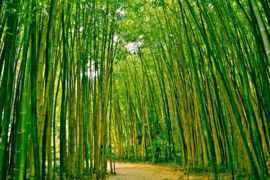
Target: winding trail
[136,171]
[143,171]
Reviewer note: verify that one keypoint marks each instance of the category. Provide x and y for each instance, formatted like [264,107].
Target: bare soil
[143,171]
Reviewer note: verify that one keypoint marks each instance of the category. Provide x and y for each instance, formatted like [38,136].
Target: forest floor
[147,171]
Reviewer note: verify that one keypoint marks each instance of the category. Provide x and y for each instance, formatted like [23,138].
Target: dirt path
[132,171]
[140,171]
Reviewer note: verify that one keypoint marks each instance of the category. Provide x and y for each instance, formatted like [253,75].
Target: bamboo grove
[86,82]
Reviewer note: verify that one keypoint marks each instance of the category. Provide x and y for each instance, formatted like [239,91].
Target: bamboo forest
[120,89]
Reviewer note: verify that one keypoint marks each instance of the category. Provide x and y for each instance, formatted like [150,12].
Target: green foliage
[134,80]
